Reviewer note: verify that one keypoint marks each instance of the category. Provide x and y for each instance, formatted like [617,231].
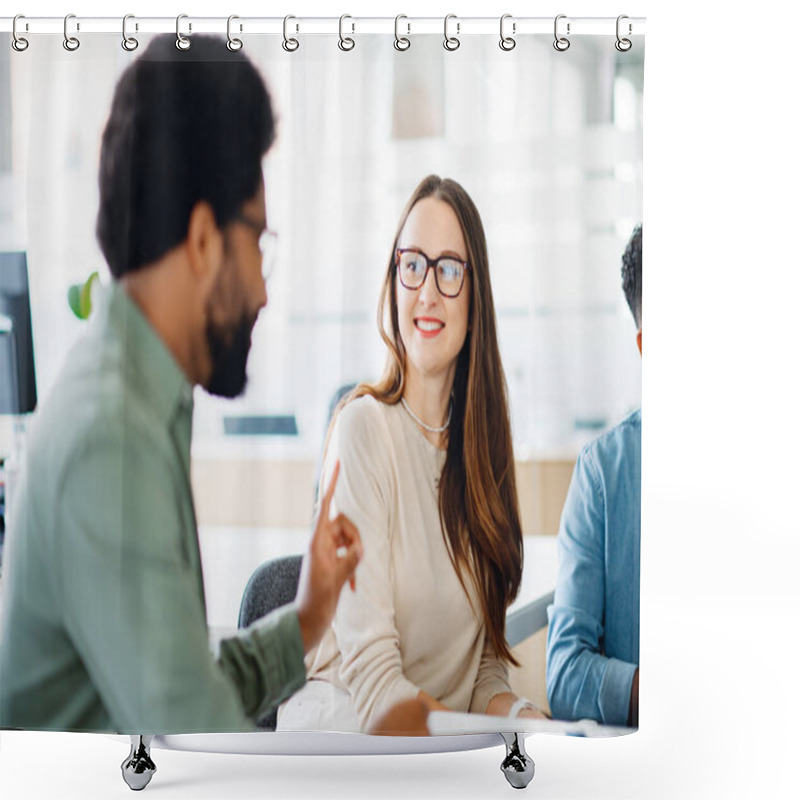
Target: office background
[549,145]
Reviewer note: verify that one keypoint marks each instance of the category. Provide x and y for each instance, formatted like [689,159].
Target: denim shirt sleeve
[582,683]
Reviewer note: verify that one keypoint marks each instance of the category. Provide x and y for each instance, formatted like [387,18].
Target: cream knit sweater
[409,625]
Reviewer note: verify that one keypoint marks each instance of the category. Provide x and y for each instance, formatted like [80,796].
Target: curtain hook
[71,43]
[507,42]
[623,45]
[401,42]
[233,44]
[345,42]
[289,45]
[19,43]
[129,43]
[181,42]
[451,42]
[561,43]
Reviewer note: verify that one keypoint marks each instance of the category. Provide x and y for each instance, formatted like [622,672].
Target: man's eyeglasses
[267,243]
[413,265]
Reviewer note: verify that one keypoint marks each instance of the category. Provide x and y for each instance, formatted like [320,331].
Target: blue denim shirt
[593,639]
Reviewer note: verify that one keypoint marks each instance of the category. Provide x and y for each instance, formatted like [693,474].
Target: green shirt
[104,618]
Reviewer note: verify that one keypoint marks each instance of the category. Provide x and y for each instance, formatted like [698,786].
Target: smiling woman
[433,322]
[427,475]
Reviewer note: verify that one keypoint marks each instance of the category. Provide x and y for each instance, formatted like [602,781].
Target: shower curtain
[544,131]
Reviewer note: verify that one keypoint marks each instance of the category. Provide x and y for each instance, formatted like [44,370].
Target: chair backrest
[528,620]
[337,398]
[272,585]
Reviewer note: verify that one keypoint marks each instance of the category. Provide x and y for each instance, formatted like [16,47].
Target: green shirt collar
[147,359]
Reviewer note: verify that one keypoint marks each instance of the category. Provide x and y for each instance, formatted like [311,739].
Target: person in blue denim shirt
[593,638]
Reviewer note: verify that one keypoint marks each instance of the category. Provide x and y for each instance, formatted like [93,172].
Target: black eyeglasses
[267,243]
[413,265]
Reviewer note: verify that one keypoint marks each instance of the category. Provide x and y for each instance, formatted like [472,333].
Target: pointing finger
[325,505]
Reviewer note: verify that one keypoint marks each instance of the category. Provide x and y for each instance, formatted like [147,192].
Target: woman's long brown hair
[478,503]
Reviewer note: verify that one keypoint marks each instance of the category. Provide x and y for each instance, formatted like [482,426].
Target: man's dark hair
[185,126]
[632,274]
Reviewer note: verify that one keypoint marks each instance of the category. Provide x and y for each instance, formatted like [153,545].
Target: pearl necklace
[419,422]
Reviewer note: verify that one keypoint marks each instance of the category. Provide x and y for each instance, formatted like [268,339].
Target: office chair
[272,585]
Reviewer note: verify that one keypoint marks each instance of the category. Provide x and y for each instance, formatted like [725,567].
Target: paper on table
[450,723]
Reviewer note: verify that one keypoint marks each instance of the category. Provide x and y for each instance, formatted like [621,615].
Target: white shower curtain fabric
[549,146]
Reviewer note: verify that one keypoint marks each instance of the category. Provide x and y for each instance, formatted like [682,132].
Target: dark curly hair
[632,274]
[185,126]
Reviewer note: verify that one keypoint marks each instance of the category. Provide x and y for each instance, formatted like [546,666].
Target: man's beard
[229,349]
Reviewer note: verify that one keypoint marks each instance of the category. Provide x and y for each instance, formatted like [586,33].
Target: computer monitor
[17,375]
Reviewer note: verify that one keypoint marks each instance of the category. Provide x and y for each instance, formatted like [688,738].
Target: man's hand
[332,558]
[409,718]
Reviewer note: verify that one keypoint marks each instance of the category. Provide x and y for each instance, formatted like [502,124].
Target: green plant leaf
[74,299]
[86,295]
[79,296]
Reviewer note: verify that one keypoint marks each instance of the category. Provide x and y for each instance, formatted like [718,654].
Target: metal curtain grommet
[288,44]
[128,42]
[71,43]
[401,42]
[561,43]
[181,42]
[233,44]
[451,42]
[345,42]
[623,45]
[507,42]
[19,43]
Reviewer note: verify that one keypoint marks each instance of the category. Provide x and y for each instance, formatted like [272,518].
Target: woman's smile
[428,327]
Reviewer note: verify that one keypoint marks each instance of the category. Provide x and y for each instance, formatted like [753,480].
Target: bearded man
[104,623]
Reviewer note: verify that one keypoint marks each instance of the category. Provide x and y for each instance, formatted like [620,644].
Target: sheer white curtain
[548,144]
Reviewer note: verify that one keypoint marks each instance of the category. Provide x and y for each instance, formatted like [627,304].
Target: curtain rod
[349,25]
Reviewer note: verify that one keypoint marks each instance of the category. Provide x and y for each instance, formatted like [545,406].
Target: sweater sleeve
[364,624]
[492,679]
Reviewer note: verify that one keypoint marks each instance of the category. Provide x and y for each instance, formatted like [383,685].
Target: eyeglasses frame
[430,263]
[264,235]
